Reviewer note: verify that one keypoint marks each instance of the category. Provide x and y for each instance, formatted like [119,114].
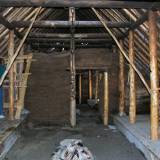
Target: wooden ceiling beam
[65,24]
[79,3]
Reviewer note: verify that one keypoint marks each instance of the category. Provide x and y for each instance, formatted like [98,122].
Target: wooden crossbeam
[79,3]
[64,24]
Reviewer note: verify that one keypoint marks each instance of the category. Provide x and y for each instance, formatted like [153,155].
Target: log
[132,91]
[106,99]
[153,37]
[11,75]
[65,35]
[79,4]
[80,88]
[72,70]
[65,24]
[121,84]
[51,40]
[90,83]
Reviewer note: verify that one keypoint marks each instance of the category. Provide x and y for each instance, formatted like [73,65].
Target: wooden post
[121,83]
[11,75]
[80,88]
[132,91]
[97,85]
[106,99]
[72,70]
[153,74]
[90,84]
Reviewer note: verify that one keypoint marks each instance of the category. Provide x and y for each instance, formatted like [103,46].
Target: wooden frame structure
[119,40]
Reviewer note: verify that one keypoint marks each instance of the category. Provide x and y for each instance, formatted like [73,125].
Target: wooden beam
[50,45]
[97,85]
[65,24]
[79,4]
[72,17]
[8,25]
[68,35]
[132,91]
[121,83]
[153,37]
[11,75]
[51,40]
[80,88]
[90,83]
[106,99]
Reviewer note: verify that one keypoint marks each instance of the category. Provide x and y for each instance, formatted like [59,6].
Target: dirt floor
[104,143]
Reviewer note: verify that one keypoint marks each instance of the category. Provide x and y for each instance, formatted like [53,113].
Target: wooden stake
[80,88]
[121,83]
[132,91]
[11,75]
[90,84]
[153,74]
[106,99]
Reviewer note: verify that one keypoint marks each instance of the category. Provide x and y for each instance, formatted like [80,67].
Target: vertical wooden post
[11,75]
[72,70]
[132,91]
[106,99]
[153,74]
[96,87]
[90,84]
[80,88]
[121,84]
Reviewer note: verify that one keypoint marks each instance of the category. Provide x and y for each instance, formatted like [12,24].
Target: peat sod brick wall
[48,89]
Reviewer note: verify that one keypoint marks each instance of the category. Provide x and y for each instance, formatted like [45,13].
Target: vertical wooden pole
[72,70]
[106,99]
[121,84]
[80,88]
[132,91]
[90,84]
[96,87]
[11,75]
[153,74]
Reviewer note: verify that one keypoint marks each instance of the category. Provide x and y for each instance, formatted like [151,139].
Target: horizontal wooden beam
[79,3]
[67,35]
[64,24]
[50,45]
[41,40]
